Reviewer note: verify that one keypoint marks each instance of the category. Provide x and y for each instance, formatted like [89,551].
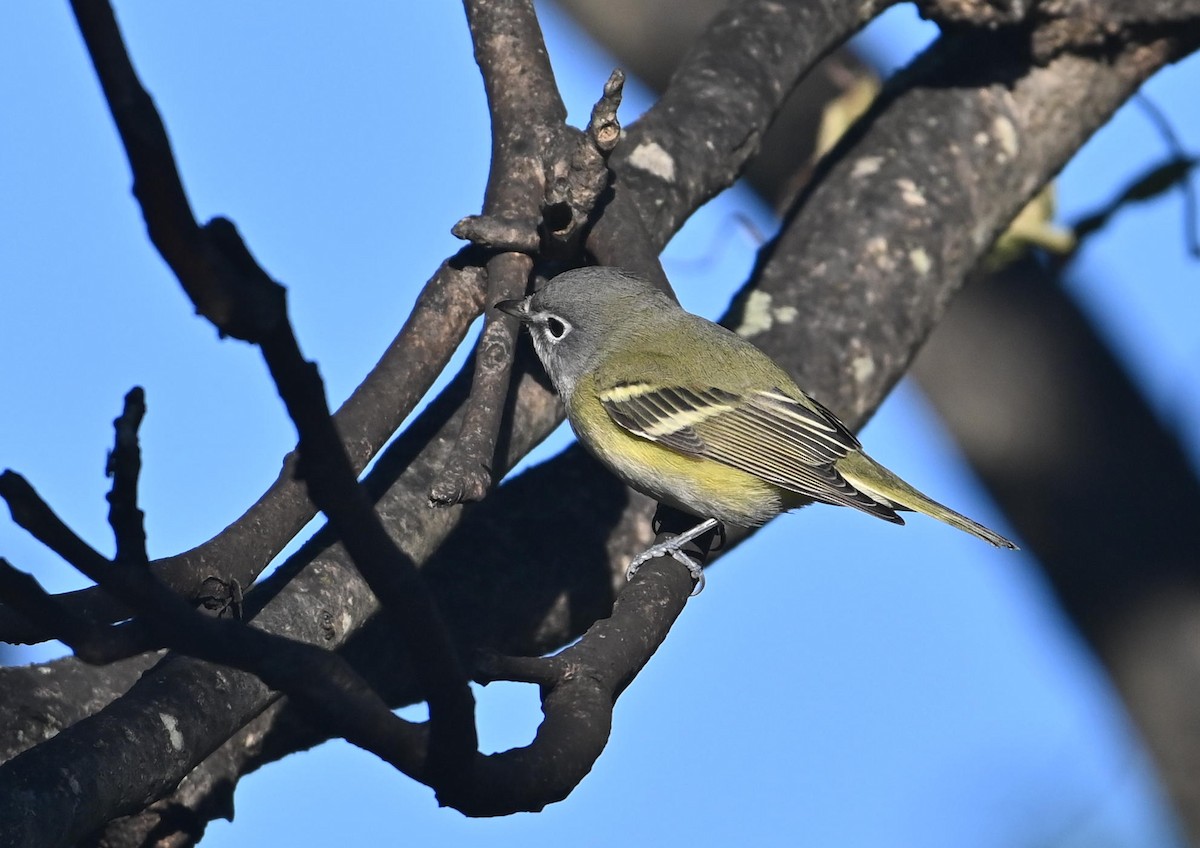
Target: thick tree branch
[709,122]
[1061,25]
[871,236]
[40,711]
[703,131]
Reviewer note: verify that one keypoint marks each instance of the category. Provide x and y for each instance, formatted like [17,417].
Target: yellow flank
[699,486]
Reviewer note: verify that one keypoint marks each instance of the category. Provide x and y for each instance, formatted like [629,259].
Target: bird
[698,418]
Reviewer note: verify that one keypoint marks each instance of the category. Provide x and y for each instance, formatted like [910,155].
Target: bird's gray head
[575,315]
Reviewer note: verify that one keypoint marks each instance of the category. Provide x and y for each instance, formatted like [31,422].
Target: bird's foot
[673,548]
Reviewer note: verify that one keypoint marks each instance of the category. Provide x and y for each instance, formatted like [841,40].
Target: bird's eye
[556,327]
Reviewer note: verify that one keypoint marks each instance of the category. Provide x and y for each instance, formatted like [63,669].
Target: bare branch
[729,86]
[124,466]
[468,475]
[33,515]
[232,301]
[604,129]
[92,643]
[1061,25]
[528,119]
[497,234]
[579,689]
[870,237]
[579,179]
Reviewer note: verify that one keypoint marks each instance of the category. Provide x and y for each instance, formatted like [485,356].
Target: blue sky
[886,686]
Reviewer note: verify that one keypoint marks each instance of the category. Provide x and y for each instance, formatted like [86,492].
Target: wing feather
[780,439]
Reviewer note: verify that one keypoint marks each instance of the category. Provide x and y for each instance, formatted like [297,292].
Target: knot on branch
[242,301]
[579,177]
[222,597]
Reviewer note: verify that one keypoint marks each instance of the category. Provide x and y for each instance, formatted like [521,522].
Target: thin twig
[1191,217]
[124,466]
[236,304]
[33,515]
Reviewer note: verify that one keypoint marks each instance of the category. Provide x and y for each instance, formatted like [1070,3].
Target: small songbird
[695,416]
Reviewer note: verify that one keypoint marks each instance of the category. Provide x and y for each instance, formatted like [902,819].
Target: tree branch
[234,302]
[1061,25]
[698,137]
[870,236]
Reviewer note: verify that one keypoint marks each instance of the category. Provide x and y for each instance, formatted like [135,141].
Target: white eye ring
[556,327]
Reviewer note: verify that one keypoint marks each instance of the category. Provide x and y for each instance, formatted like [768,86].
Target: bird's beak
[518,309]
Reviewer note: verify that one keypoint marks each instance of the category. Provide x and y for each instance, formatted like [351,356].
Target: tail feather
[871,478]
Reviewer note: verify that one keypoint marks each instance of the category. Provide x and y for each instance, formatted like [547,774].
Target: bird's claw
[673,548]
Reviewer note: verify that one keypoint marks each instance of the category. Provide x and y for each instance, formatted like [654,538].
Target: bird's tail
[871,478]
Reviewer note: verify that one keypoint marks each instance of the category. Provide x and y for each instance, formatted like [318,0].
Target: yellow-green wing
[789,443]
